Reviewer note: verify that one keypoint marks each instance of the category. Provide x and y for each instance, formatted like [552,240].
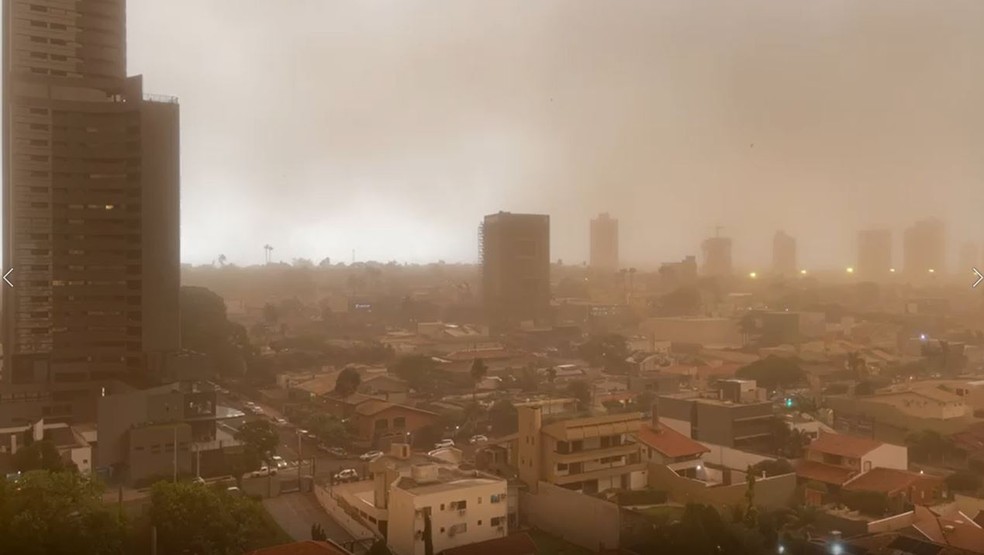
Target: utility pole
[300,461]
[153,540]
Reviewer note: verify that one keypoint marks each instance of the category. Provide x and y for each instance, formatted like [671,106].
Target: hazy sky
[392,127]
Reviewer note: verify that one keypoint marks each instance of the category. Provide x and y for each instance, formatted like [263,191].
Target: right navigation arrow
[980,277]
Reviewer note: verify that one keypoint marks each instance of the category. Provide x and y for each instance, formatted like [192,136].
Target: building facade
[717,257]
[874,254]
[784,254]
[739,423]
[516,268]
[604,243]
[90,211]
[924,249]
[589,454]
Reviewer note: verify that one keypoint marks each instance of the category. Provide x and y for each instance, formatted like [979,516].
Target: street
[296,512]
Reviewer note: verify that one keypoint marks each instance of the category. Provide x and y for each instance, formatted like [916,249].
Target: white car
[370,455]
[302,431]
[281,422]
[278,462]
[264,471]
[347,475]
[444,443]
[478,438]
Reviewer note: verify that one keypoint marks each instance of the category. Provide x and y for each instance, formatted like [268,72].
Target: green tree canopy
[205,328]
[580,390]
[607,351]
[39,455]
[348,381]
[416,370]
[504,418]
[773,372]
[259,437]
[205,521]
[57,513]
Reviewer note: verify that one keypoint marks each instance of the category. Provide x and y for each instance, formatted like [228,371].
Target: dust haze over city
[302,124]
[473,277]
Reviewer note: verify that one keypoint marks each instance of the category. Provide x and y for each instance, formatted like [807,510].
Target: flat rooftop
[447,479]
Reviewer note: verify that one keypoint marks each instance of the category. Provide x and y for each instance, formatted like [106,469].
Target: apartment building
[515,256]
[604,243]
[588,454]
[733,417]
[875,254]
[90,212]
[458,507]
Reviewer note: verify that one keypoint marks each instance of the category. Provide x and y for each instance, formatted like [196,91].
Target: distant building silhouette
[516,268]
[874,254]
[91,211]
[604,243]
[678,274]
[784,254]
[924,249]
[717,256]
[970,257]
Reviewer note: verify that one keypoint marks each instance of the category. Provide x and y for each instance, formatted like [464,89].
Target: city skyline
[801,139]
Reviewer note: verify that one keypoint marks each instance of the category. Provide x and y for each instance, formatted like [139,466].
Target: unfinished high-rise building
[604,243]
[515,251]
[90,211]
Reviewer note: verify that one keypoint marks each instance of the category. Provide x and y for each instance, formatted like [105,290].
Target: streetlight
[891,270]
[803,272]
[932,271]
[752,275]
[850,270]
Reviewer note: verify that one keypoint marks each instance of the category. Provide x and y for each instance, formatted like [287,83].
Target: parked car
[347,475]
[311,435]
[444,443]
[370,455]
[199,481]
[478,438]
[233,490]
[282,422]
[264,471]
[333,451]
[302,431]
[278,462]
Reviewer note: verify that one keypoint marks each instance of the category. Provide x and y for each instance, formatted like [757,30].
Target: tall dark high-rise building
[784,254]
[91,208]
[717,256]
[874,254]
[515,251]
[604,243]
[924,249]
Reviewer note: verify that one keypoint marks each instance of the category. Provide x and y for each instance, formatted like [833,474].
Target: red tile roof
[303,548]
[669,442]
[888,480]
[958,532]
[516,544]
[822,472]
[844,445]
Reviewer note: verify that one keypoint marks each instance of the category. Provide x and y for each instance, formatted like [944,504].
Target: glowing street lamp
[752,275]
[932,271]
[891,270]
[850,270]
[803,272]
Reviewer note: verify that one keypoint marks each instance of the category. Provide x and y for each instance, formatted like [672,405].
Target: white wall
[82,457]
[404,522]
[732,458]
[887,456]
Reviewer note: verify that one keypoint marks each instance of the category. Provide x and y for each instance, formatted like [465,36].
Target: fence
[772,492]
[580,519]
[354,528]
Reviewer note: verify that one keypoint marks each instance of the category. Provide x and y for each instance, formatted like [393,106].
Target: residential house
[68,440]
[516,544]
[665,446]
[897,489]
[589,454]
[832,460]
[380,423]
[390,388]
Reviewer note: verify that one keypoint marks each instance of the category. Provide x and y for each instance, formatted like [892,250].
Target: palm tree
[222,260]
[268,250]
[478,372]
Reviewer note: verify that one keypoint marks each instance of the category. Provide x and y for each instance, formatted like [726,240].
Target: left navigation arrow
[5,276]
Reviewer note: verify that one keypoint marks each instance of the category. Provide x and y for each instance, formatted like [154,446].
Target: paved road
[296,512]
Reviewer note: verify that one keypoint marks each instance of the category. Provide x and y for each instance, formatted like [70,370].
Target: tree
[528,379]
[580,390]
[771,468]
[348,382]
[57,513]
[478,372]
[39,455]
[204,521]
[329,429]
[773,372]
[607,351]
[258,438]
[206,329]
[644,401]
[416,370]
[927,445]
[857,365]
[964,481]
[786,441]
[222,260]
[428,535]
[504,418]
